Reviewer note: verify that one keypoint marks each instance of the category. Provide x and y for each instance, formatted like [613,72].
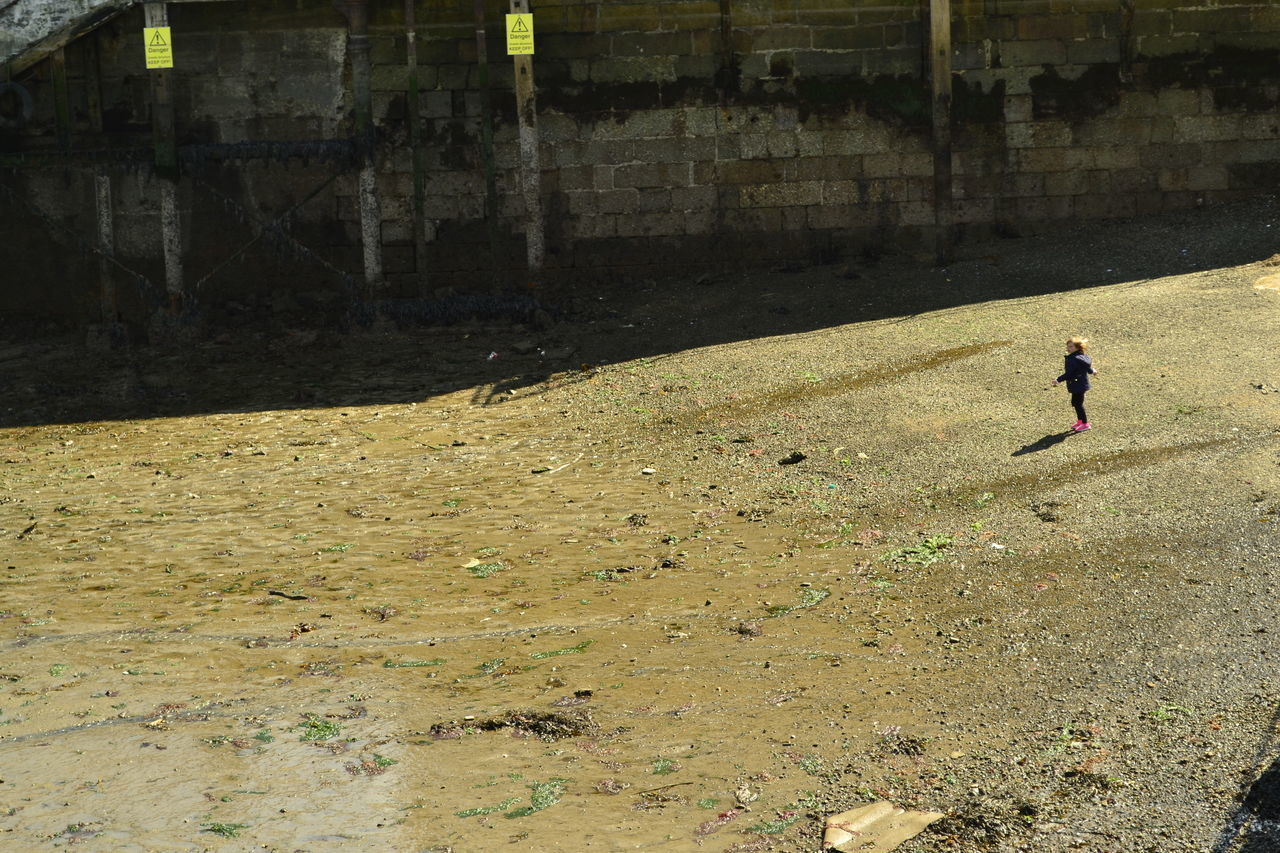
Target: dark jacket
[1079,366]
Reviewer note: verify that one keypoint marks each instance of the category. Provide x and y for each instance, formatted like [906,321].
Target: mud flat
[693,568]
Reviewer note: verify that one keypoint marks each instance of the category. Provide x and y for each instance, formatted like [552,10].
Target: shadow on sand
[262,362]
[1044,443]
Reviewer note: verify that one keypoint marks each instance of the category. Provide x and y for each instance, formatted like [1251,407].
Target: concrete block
[700,121]
[1051,27]
[690,15]
[669,149]
[823,168]
[1178,102]
[1033,53]
[1108,132]
[697,149]
[809,144]
[639,125]
[744,172]
[1094,51]
[825,63]
[782,194]
[782,38]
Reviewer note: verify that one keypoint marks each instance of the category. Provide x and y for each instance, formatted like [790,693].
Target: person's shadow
[1043,444]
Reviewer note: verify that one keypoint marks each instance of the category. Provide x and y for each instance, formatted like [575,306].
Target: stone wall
[688,133]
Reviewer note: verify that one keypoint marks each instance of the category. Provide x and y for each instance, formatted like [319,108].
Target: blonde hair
[1081,344]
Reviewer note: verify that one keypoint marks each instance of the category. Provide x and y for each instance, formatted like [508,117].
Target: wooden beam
[486,138]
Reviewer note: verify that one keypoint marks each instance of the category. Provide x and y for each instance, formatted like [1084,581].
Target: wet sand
[630,585]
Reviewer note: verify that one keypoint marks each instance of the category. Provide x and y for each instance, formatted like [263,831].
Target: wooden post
[61,97]
[530,168]
[166,142]
[101,185]
[486,138]
[940,66]
[419,152]
[367,186]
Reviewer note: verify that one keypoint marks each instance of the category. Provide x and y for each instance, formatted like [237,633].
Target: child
[1079,368]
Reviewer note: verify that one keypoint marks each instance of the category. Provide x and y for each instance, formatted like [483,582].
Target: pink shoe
[1081,427]
[1076,425]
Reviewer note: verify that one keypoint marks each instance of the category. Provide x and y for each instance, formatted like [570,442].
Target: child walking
[1079,367]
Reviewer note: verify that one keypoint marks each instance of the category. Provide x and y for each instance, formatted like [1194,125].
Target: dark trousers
[1077,403]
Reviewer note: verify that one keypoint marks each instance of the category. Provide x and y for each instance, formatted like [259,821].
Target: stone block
[1066,183]
[1038,134]
[795,218]
[1178,102]
[1026,185]
[1158,47]
[749,172]
[891,61]
[576,178]
[1053,159]
[1203,177]
[781,144]
[782,38]
[823,13]
[973,210]
[654,43]
[1103,206]
[640,125]
[700,121]
[627,17]
[753,219]
[651,225]
[698,149]
[753,146]
[832,216]
[823,168]
[848,38]
[617,201]
[1018,108]
[691,15]
[1044,209]
[592,227]
[1131,181]
[1207,128]
[667,149]
[657,200]
[633,69]
[700,221]
[1118,156]
[841,192]
[693,198]
[798,193]
[885,189]
[652,175]
[1170,156]
[1094,51]
[1109,132]
[1260,126]
[825,63]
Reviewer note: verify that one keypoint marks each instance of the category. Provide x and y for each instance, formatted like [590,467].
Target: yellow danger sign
[520,34]
[159,44]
